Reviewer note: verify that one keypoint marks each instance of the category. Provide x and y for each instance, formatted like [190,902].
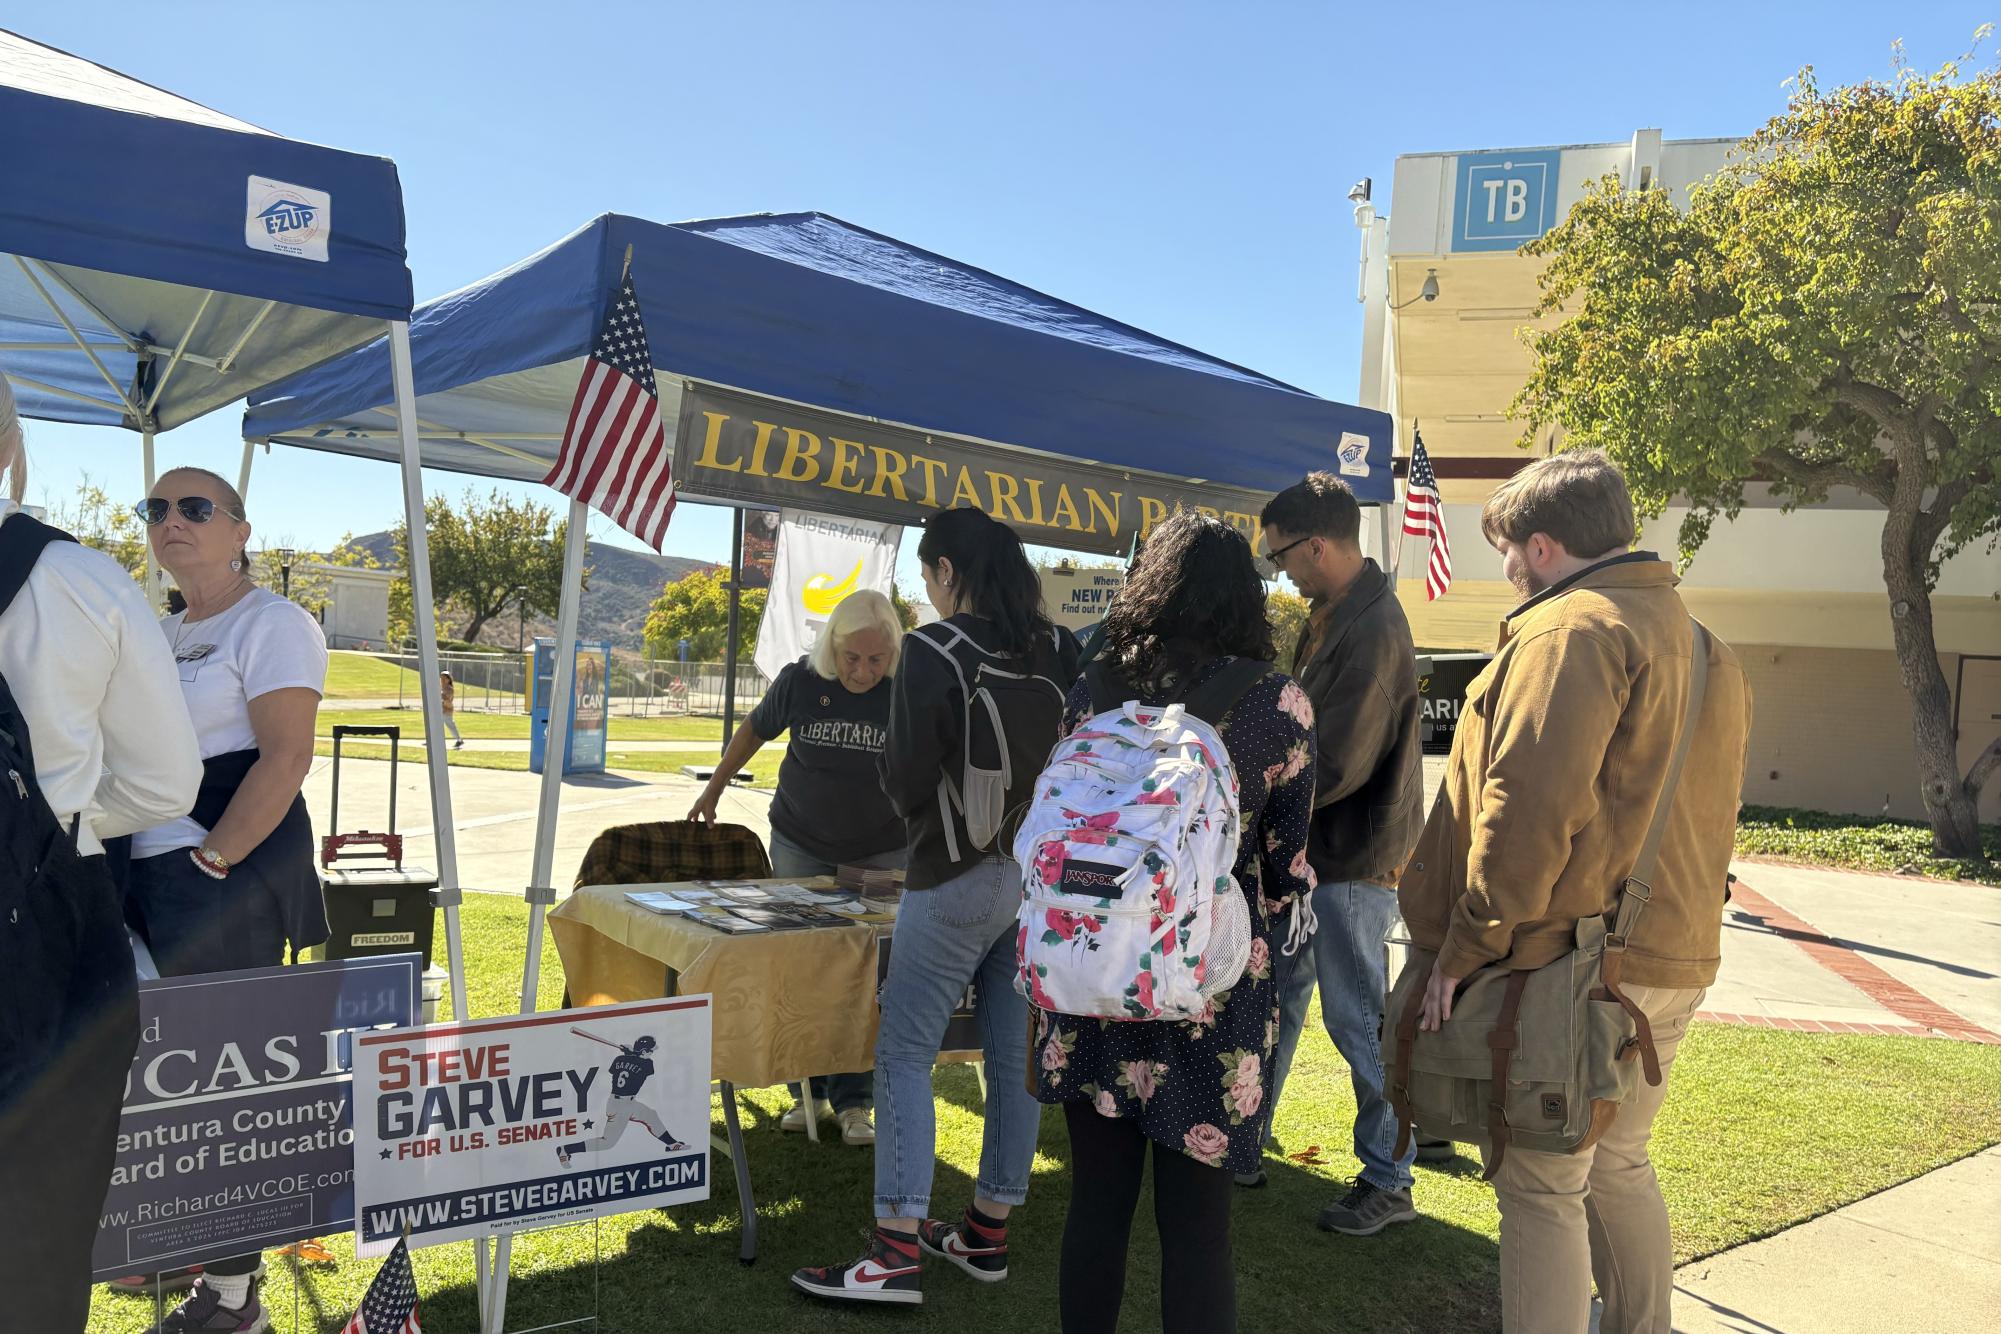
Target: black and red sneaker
[887,1272]
[980,1251]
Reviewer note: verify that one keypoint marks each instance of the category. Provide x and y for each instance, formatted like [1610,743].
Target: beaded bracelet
[211,863]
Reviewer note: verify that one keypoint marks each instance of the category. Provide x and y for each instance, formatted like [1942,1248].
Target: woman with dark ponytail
[976,707]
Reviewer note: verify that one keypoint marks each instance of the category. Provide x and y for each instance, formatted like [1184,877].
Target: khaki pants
[1567,1219]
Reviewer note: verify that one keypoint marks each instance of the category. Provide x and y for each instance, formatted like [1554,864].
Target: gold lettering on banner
[1036,518]
[1006,489]
[712,440]
[759,448]
[964,487]
[1065,505]
[887,475]
[1151,512]
[933,472]
[1111,511]
[845,461]
[798,451]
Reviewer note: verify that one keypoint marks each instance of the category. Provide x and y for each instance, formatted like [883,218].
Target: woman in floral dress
[1198,1090]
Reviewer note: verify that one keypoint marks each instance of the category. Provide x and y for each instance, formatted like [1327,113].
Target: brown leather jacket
[1560,756]
[1357,665]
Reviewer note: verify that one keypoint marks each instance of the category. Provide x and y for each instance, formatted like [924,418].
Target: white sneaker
[794,1121]
[856,1128]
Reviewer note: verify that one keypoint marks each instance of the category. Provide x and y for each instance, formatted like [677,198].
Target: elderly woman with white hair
[829,809]
[88,692]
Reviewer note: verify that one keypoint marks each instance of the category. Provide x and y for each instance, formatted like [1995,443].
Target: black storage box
[379,910]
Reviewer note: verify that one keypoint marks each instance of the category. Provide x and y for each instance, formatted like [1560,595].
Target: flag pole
[626,270]
[1396,557]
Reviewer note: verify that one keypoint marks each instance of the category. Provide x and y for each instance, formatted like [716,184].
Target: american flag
[614,454]
[390,1306]
[1424,516]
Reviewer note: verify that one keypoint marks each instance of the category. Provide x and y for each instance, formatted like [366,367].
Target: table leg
[747,1205]
[806,1100]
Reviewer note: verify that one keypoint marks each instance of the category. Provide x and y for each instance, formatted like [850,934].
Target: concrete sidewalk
[1920,1258]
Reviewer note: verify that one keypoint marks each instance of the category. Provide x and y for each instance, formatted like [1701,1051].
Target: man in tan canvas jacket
[1561,752]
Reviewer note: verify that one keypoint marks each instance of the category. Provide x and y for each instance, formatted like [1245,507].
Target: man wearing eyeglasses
[1357,664]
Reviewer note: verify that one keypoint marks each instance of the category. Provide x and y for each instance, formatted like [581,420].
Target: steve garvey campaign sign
[501,1125]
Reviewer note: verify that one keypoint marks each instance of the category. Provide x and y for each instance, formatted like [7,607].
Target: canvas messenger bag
[1541,1058]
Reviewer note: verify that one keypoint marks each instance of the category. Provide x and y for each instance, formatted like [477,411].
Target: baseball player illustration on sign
[630,1070]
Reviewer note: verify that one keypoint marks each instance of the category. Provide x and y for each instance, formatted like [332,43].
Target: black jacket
[1368,798]
[927,741]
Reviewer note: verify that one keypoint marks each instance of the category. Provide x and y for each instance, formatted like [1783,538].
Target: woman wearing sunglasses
[226,886]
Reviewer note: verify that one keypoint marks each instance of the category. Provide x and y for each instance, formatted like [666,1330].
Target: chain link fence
[497,683]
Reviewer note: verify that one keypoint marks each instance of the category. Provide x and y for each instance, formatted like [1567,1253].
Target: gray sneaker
[1366,1210]
[202,1313]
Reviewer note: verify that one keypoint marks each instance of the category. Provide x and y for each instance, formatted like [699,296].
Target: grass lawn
[478,726]
[1860,843]
[762,769]
[352,675]
[1763,1130]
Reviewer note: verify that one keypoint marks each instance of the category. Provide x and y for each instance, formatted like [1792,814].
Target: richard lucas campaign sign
[501,1125]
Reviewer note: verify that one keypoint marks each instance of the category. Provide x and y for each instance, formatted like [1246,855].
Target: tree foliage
[482,551]
[93,518]
[696,607]
[1825,313]
[1287,612]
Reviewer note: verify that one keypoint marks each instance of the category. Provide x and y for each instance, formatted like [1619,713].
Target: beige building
[1799,595]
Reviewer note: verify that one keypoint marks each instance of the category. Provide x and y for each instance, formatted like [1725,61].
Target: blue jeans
[1347,960]
[961,932]
[789,861]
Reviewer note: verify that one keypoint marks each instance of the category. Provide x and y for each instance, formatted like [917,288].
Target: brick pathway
[1923,1016]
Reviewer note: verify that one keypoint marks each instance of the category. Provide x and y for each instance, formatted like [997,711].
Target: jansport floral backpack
[1130,908]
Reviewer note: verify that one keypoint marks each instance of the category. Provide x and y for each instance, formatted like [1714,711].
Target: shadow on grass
[678,1270]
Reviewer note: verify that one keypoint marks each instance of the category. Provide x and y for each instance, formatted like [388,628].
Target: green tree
[483,550]
[93,518]
[696,607]
[1287,613]
[1826,313]
[310,584]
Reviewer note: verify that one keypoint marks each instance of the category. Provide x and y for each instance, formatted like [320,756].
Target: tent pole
[736,604]
[152,565]
[243,473]
[555,750]
[1387,536]
[425,627]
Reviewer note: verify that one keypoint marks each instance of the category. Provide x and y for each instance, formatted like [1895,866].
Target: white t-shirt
[261,644]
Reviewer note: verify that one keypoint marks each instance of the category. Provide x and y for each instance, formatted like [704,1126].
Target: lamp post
[521,621]
[285,555]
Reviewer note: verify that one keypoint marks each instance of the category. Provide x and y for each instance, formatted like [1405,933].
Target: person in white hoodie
[88,689]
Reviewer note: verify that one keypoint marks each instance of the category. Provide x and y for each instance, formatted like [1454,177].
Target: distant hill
[621,586]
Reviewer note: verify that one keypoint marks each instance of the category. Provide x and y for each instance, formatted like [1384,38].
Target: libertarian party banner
[236,1133]
[820,561]
[502,1125]
[740,447]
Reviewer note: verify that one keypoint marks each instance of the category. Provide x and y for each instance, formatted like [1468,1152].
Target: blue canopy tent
[808,311]
[812,310]
[159,259]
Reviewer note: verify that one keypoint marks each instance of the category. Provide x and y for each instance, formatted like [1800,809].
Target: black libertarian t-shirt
[829,798]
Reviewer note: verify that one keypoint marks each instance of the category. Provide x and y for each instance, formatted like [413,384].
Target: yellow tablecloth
[788,1004]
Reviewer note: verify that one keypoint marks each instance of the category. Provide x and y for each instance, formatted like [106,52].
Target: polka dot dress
[1204,1086]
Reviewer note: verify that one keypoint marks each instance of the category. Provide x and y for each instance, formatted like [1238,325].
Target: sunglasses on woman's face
[195,509]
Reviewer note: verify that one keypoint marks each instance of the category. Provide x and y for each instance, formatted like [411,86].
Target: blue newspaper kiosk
[589,698]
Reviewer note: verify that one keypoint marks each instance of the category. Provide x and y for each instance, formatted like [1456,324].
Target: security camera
[1358,193]
[1430,289]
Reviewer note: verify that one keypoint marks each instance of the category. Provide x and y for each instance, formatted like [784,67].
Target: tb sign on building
[1504,200]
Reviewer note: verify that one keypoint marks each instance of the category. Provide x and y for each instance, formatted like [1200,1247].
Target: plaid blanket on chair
[667,851]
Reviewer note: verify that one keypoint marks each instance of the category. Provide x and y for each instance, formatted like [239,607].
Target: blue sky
[1182,167]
